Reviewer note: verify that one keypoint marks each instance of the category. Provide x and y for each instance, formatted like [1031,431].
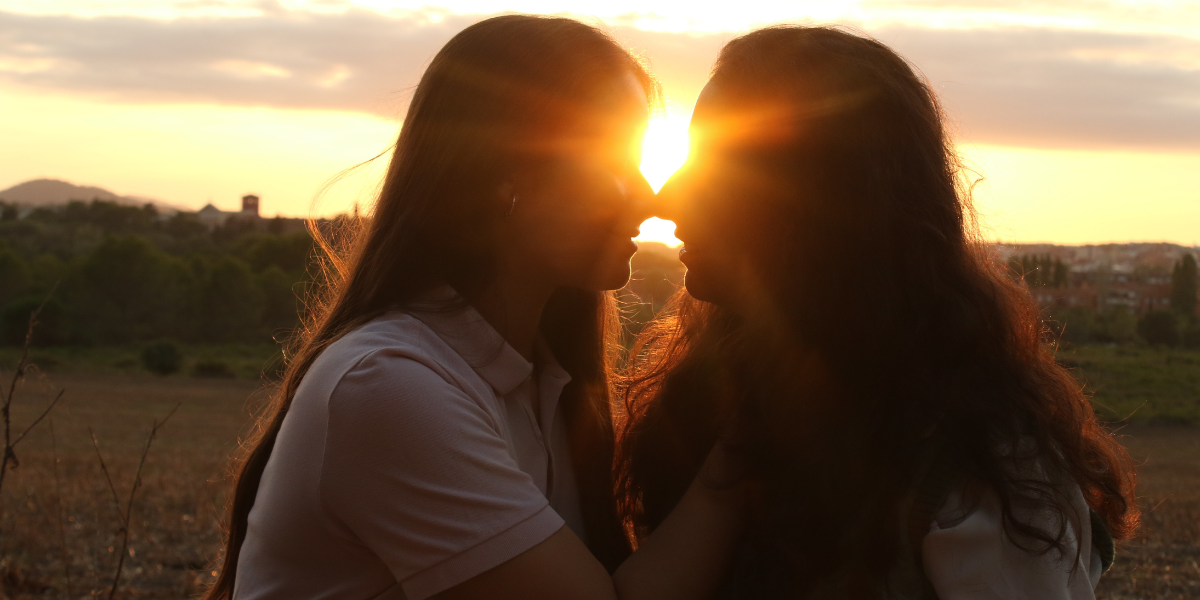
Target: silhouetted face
[576,214]
[721,202]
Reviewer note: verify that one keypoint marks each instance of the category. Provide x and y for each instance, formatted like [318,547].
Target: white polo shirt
[412,459]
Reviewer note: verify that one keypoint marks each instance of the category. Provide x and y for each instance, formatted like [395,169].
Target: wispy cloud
[1052,88]
[1049,87]
[358,60]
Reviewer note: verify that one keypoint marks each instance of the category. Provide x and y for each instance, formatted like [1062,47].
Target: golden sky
[1081,116]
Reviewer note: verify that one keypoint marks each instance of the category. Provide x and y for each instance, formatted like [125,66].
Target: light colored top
[968,556]
[411,460]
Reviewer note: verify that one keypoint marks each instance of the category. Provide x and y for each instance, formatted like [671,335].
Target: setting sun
[664,150]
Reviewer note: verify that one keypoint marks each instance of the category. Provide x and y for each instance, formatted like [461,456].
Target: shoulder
[397,362]
[969,549]
[394,346]
[387,369]
[393,333]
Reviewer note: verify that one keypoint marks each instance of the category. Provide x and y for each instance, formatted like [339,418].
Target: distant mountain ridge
[55,192]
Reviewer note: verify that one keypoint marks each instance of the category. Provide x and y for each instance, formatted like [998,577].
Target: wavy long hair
[499,95]
[886,333]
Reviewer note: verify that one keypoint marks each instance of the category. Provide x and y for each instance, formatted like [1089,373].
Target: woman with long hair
[444,427]
[902,422]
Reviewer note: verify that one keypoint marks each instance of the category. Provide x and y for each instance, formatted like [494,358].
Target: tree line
[1042,271]
[113,274]
[1178,325]
[119,274]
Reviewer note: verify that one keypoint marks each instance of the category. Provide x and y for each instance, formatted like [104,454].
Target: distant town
[21,200]
[1134,276]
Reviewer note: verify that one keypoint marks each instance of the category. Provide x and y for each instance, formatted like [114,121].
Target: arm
[684,559]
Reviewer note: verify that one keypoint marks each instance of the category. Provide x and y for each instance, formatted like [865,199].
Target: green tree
[290,252]
[1040,270]
[1191,334]
[1062,274]
[14,321]
[1117,324]
[1160,328]
[14,275]
[128,290]
[1183,286]
[1074,324]
[185,225]
[45,271]
[231,304]
[281,306]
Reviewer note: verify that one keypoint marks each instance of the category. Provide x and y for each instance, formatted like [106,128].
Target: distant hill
[54,192]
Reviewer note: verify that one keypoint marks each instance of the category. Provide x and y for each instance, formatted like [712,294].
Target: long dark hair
[888,336]
[499,95]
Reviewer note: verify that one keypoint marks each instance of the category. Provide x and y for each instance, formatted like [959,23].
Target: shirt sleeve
[419,473]
[968,556]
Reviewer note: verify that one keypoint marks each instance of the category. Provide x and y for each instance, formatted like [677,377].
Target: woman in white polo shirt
[444,427]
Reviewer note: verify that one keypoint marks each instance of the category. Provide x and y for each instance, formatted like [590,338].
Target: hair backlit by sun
[664,150]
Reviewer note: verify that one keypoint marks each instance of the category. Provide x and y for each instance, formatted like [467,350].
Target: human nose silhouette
[641,197]
[667,201]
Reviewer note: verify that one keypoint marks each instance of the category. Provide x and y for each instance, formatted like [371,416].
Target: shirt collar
[550,384]
[458,324]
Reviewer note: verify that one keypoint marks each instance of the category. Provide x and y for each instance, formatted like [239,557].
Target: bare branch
[103,467]
[62,532]
[24,361]
[6,409]
[137,482]
[39,419]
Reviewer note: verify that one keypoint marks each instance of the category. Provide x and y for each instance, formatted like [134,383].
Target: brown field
[1163,561]
[173,534]
[59,535]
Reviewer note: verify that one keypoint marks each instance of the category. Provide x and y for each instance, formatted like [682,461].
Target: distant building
[214,217]
[250,205]
[1138,298]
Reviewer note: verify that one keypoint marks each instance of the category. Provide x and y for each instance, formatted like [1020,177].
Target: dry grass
[1163,561]
[174,535]
[173,532]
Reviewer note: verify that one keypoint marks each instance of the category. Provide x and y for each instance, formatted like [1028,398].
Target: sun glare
[664,150]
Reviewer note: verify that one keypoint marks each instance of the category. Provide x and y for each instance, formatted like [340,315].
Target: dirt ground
[1163,561]
[60,525]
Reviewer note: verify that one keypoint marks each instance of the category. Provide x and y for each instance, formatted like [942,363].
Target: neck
[514,309]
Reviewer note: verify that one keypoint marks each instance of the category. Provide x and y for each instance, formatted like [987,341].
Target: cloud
[356,61]
[1020,86]
[1057,88]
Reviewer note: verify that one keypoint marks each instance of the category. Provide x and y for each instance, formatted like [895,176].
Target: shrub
[1074,324]
[1160,328]
[162,358]
[1191,334]
[231,302]
[1116,325]
[213,369]
[14,321]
